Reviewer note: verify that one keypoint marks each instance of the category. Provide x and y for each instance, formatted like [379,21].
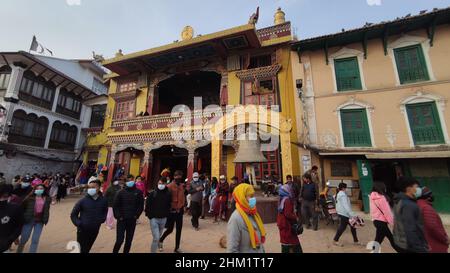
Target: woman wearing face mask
[246,232]
[157,209]
[110,195]
[36,215]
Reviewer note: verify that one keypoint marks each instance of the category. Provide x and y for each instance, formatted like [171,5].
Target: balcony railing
[164,120]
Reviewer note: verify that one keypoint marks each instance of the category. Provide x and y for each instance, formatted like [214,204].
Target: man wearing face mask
[157,209]
[11,219]
[128,206]
[409,233]
[88,215]
[196,190]
[178,191]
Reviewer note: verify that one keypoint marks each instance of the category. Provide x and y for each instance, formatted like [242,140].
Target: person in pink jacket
[381,213]
[140,185]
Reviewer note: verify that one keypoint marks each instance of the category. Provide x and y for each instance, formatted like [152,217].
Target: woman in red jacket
[285,219]
[435,233]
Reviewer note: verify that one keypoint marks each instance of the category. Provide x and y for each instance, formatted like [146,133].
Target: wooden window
[63,136]
[5,76]
[28,129]
[69,104]
[36,90]
[425,123]
[355,128]
[348,76]
[98,115]
[261,93]
[341,169]
[127,86]
[260,61]
[269,168]
[411,64]
[125,110]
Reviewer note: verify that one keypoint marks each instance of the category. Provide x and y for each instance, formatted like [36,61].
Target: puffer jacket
[28,208]
[435,233]
[380,209]
[89,213]
[409,232]
[128,204]
[343,205]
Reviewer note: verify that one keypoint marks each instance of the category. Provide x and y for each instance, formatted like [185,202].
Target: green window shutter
[425,124]
[355,128]
[411,64]
[348,76]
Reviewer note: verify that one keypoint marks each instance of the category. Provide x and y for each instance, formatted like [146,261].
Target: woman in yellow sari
[246,233]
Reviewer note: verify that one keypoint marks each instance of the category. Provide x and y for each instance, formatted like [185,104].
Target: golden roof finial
[119,53]
[187,33]
[280,17]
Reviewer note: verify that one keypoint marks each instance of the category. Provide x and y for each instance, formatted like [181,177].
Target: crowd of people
[409,221]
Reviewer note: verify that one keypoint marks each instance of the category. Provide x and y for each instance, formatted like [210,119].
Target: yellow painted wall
[231,167]
[135,165]
[288,109]
[141,101]
[234,89]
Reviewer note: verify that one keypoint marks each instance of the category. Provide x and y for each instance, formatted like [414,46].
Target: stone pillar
[55,100]
[216,156]
[110,169]
[12,92]
[286,153]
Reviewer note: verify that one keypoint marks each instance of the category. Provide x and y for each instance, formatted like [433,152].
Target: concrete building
[46,102]
[374,104]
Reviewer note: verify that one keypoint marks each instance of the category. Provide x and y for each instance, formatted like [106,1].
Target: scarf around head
[240,194]
[285,193]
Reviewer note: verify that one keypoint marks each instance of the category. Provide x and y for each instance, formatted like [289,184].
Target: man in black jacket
[127,207]
[88,215]
[157,209]
[309,195]
[409,233]
[11,219]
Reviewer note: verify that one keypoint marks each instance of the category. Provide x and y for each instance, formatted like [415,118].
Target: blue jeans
[157,225]
[36,228]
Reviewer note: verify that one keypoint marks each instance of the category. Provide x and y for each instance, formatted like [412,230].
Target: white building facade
[44,107]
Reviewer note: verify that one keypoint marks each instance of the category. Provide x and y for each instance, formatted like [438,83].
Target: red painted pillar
[110,171]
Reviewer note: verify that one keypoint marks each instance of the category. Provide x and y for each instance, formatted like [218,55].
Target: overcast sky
[75,28]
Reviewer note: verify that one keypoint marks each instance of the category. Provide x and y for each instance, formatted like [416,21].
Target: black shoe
[178,251]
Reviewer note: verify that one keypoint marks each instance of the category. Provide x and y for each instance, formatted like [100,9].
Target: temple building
[242,68]
[375,104]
